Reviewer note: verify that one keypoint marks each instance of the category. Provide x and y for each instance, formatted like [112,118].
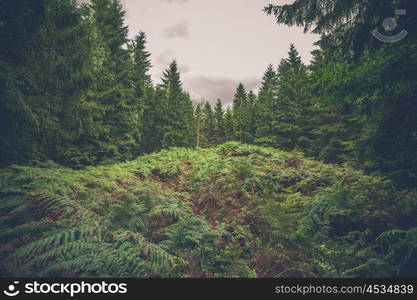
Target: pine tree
[219,122]
[239,104]
[45,76]
[148,98]
[333,132]
[109,19]
[208,125]
[344,25]
[250,117]
[333,126]
[153,120]
[198,120]
[141,65]
[179,110]
[123,111]
[171,82]
[364,90]
[292,64]
[375,109]
[291,122]
[265,108]
[229,132]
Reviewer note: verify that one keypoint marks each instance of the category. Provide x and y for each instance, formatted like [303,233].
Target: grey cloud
[212,88]
[180,30]
[184,69]
[165,59]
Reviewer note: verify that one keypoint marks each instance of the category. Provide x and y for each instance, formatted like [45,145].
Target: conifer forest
[106,173]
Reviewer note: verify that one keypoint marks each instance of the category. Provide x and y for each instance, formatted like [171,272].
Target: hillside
[231,211]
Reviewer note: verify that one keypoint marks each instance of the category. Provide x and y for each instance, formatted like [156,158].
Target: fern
[31,228]
[391,236]
[235,211]
[175,211]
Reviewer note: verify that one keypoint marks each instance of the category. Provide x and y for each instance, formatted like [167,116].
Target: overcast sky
[217,43]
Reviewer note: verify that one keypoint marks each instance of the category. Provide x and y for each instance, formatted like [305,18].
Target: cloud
[176,1]
[165,59]
[184,69]
[212,88]
[180,30]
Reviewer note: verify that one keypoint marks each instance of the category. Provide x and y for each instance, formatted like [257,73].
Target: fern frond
[44,244]
[391,235]
[31,228]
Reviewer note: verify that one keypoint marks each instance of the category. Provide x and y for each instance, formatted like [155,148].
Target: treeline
[362,112]
[75,90]
[354,103]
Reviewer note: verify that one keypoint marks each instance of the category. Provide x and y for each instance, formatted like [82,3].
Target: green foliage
[78,92]
[75,91]
[177,119]
[68,97]
[219,114]
[141,65]
[344,26]
[232,211]
[41,110]
[358,95]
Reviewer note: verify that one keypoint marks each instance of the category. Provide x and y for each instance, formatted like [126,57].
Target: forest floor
[231,211]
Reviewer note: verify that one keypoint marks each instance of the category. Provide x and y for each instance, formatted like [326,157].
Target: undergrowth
[231,211]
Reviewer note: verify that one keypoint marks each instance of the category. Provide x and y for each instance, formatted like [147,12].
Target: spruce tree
[141,65]
[109,19]
[229,132]
[178,116]
[345,26]
[208,125]
[44,78]
[198,120]
[219,122]
[146,96]
[239,105]
[291,122]
[153,120]
[250,117]
[267,99]
[113,88]
[333,126]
